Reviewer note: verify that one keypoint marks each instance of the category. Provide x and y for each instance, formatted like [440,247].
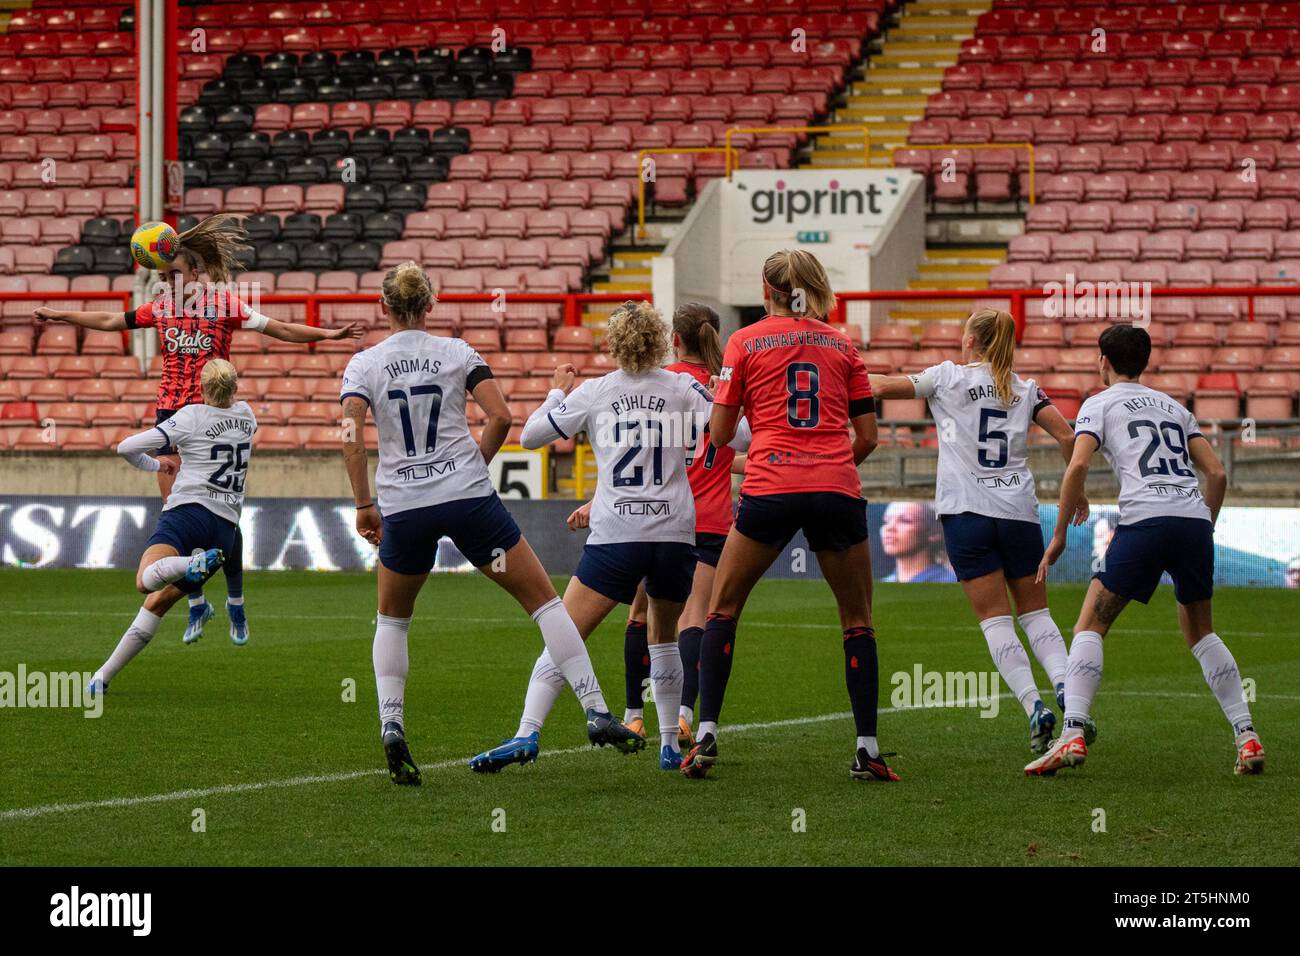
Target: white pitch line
[774,625]
[27,813]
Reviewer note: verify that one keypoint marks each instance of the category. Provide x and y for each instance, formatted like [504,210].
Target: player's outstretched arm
[1216,479]
[295,332]
[892,386]
[99,321]
[135,449]
[369,525]
[1053,422]
[1072,492]
[488,395]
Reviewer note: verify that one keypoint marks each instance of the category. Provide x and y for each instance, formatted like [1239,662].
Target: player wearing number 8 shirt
[984,495]
[800,384]
[1166,524]
[433,480]
[199,521]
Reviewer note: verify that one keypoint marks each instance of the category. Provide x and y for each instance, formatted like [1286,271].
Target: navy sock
[636,663]
[861,676]
[688,645]
[716,647]
[234,567]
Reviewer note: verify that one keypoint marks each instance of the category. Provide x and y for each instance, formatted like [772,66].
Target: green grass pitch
[287,772]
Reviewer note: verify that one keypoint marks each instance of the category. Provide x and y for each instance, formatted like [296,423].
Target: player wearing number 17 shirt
[801,384]
[200,519]
[984,495]
[1166,524]
[433,480]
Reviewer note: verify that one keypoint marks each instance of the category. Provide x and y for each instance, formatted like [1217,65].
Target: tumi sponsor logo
[75,909]
[785,204]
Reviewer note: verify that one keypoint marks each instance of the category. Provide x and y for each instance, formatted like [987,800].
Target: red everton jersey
[799,382]
[201,331]
[709,472]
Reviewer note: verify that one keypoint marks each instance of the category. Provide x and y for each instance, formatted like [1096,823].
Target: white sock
[1220,670]
[139,634]
[873,748]
[686,714]
[666,679]
[564,644]
[1011,660]
[235,602]
[1082,678]
[544,689]
[707,727]
[164,571]
[389,655]
[197,599]
[633,713]
[1046,642]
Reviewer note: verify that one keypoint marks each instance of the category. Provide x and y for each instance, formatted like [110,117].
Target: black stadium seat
[361,256]
[370,141]
[250,147]
[297,89]
[290,144]
[406,197]
[113,260]
[384,226]
[231,172]
[365,197]
[388,169]
[277,257]
[307,171]
[263,227]
[318,256]
[74,261]
[267,172]
[343,227]
[301,227]
[428,169]
[317,65]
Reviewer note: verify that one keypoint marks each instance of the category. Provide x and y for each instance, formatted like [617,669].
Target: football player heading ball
[190,334]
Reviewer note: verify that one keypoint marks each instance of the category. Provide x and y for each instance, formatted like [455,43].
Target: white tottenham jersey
[983,444]
[1144,434]
[642,428]
[415,384]
[214,445]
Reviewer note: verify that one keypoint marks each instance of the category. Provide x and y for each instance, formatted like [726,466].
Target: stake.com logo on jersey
[785,204]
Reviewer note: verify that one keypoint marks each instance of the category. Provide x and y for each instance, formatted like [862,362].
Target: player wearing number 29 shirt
[802,385]
[1166,524]
[432,481]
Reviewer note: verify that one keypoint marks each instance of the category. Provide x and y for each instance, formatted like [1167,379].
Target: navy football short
[830,521]
[1140,553]
[978,545]
[708,547]
[160,416]
[615,570]
[192,527]
[481,528]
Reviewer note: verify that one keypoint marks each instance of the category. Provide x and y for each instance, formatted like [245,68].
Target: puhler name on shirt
[220,427]
[403,366]
[634,402]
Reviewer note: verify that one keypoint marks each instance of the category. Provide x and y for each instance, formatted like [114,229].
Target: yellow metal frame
[865,131]
[640,158]
[953,146]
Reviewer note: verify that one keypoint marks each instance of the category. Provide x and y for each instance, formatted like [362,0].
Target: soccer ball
[154,245]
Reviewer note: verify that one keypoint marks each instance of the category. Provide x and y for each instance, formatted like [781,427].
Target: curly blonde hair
[637,337]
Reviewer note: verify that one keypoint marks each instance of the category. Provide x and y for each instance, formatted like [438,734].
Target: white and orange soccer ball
[154,245]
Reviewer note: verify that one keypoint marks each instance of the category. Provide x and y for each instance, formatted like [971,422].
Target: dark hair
[698,325]
[1127,347]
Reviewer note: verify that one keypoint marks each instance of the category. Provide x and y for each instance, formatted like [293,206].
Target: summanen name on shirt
[226,424]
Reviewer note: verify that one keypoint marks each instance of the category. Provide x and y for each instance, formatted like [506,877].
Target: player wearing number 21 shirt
[801,385]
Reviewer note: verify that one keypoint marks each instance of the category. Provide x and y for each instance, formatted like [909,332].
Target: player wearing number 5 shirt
[801,385]
[1166,524]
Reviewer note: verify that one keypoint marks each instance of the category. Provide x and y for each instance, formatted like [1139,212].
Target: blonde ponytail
[408,293]
[797,283]
[995,341]
[219,382]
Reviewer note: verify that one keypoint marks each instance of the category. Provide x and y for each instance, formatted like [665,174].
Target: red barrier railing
[570,300]
[1018,297]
